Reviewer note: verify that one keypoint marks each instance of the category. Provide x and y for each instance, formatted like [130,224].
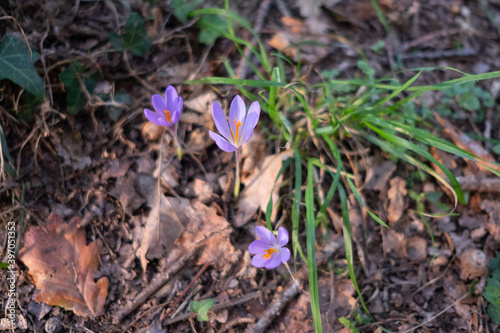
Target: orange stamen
[268,253]
[235,137]
[167,115]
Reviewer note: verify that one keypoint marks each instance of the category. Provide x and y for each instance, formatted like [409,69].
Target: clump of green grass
[364,111]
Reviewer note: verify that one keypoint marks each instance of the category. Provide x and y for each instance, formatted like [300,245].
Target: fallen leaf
[378,175]
[202,103]
[164,225]
[206,227]
[259,186]
[396,195]
[62,265]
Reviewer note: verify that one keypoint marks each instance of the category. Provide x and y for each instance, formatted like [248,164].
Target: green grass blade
[296,206]
[349,253]
[360,200]
[269,208]
[398,91]
[311,250]
[238,82]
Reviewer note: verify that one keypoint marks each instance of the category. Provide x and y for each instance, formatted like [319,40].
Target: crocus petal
[282,236]
[285,255]
[274,262]
[252,116]
[221,122]
[265,234]
[180,104]
[258,246]
[171,98]
[237,112]
[155,118]
[159,104]
[175,117]
[247,136]
[222,143]
[259,260]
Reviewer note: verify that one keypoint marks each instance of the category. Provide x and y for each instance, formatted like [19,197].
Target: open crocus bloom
[269,251]
[241,124]
[167,111]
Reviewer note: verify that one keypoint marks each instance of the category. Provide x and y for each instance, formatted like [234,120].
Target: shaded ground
[101,165]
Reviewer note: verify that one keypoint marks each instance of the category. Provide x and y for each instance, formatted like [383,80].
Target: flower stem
[177,144]
[237,176]
[291,274]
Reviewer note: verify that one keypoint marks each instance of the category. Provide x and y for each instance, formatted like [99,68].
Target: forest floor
[95,239]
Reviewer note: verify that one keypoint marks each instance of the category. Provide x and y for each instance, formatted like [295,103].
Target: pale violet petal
[282,236]
[222,143]
[258,246]
[171,98]
[259,261]
[237,112]
[274,262]
[221,122]
[265,234]
[159,104]
[155,118]
[285,255]
[247,136]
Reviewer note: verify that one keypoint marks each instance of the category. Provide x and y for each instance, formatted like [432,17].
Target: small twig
[156,284]
[439,54]
[181,296]
[275,308]
[477,183]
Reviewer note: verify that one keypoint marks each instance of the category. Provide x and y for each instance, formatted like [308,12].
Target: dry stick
[259,22]
[156,284]
[220,306]
[477,183]
[181,296]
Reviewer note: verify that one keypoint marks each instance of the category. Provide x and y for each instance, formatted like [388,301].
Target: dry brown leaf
[466,143]
[206,227]
[164,225]
[62,265]
[396,195]
[259,186]
[202,103]
[378,175]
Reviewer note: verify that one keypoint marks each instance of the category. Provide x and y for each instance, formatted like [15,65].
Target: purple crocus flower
[241,124]
[167,111]
[269,251]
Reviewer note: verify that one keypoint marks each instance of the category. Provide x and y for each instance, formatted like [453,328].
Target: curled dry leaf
[396,196]
[164,225]
[259,186]
[473,264]
[62,264]
[210,230]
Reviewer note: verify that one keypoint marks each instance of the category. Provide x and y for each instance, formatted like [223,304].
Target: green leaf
[212,27]
[202,308]
[182,8]
[366,68]
[74,95]
[134,37]
[4,264]
[469,102]
[494,313]
[120,97]
[17,65]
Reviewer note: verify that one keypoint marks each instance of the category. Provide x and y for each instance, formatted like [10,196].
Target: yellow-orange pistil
[237,124]
[167,115]
[268,253]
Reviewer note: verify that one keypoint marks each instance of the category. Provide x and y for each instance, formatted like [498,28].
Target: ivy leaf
[469,102]
[494,313]
[182,8]
[4,264]
[120,97]
[134,37]
[202,308]
[74,95]
[16,64]
[211,28]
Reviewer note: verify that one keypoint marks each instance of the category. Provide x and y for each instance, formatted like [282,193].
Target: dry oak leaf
[62,264]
